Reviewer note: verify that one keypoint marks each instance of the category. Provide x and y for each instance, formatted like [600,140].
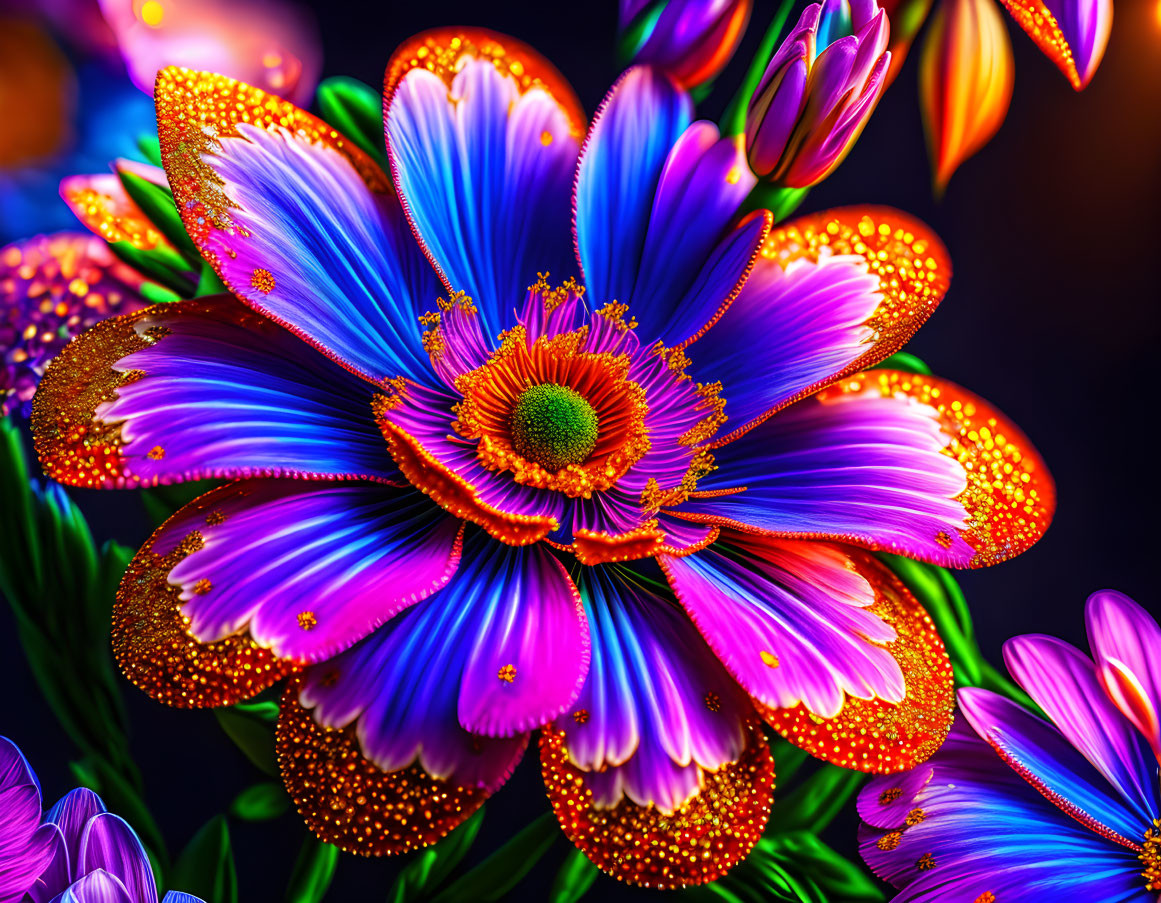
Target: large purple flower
[1017,808]
[630,505]
[77,852]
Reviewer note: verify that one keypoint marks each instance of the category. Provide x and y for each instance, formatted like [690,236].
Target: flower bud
[818,92]
[691,40]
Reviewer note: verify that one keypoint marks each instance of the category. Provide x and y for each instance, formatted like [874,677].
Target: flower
[967,70]
[77,852]
[818,92]
[1018,808]
[630,506]
[52,288]
[692,40]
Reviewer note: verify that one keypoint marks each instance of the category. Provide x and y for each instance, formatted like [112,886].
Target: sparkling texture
[554,426]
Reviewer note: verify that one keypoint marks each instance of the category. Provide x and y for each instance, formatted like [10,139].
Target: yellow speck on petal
[152,13]
[733,175]
[156,453]
[546,138]
[770,659]
[713,701]
[581,716]
[262,280]
[507,673]
[307,620]
[202,587]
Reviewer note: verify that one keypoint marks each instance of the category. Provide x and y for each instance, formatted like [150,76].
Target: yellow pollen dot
[713,702]
[202,587]
[581,716]
[986,897]
[768,658]
[889,796]
[888,842]
[262,280]
[926,862]
[156,453]
[307,620]
[546,138]
[152,13]
[734,175]
[507,673]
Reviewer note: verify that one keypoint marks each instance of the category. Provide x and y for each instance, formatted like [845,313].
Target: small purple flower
[818,92]
[692,40]
[1018,809]
[77,852]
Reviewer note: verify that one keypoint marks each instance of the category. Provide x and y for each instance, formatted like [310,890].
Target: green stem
[734,119]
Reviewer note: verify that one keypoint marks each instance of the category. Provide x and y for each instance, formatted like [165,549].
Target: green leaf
[780,201]
[573,879]
[813,805]
[205,867]
[159,207]
[901,360]
[150,148]
[261,802]
[160,265]
[209,282]
[430,867]
[637,32]
[505,868]
[313,871]
[252,734]
[356,110]
[158,294]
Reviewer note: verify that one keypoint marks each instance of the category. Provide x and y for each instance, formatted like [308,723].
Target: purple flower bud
[818,92]
[692,40]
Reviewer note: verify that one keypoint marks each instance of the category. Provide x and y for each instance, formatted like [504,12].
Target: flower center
[1151,857]
[553,426]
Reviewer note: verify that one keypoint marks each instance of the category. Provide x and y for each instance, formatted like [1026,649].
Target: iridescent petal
[976,832]
[1125,640]
[97,887]
[101,204]
[965,81]
[253,400]
[658,711]
[792,621]
[298,222]
[109,843]
[890,461]
[71,814]
[1063,682]
[26,847]
[638,123]
[306,569]
[838,291]
[483,145]
[1072,33]
[1040,754]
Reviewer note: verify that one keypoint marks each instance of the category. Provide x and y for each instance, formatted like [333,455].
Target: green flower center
[553,426]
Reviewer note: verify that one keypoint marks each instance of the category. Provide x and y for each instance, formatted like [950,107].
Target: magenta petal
[657,708]
[1085,25]
[109,843]
[485,173]
[1040,754]
[1063,682]
[26,847]
[99,887]
[307,568]
[623,157]
[789,621]
[1126,643]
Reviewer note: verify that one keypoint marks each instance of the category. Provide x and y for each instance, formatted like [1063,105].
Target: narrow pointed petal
[1071,33]
[71,813]
[886,460]
[1125,640]
[26,847]
[1063,682]
[965,81]
[841,290]
[102,205]
[109,843]
[299,223]
[483,135]
[254,400]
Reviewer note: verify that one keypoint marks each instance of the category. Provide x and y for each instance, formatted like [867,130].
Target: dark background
[1053,314]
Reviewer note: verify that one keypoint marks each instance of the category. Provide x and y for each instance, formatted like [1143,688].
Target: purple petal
[26,848]
[485,173]
[1043,757]
[774,113]
[175,896]
[789,621]
[624,155]
[1085,25]
[976,831]
[253,400]
[1063,682]
[317,250]
[71,814]
[1125,640]
[657,708]
[109,843]
[307,568]
[98,887]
